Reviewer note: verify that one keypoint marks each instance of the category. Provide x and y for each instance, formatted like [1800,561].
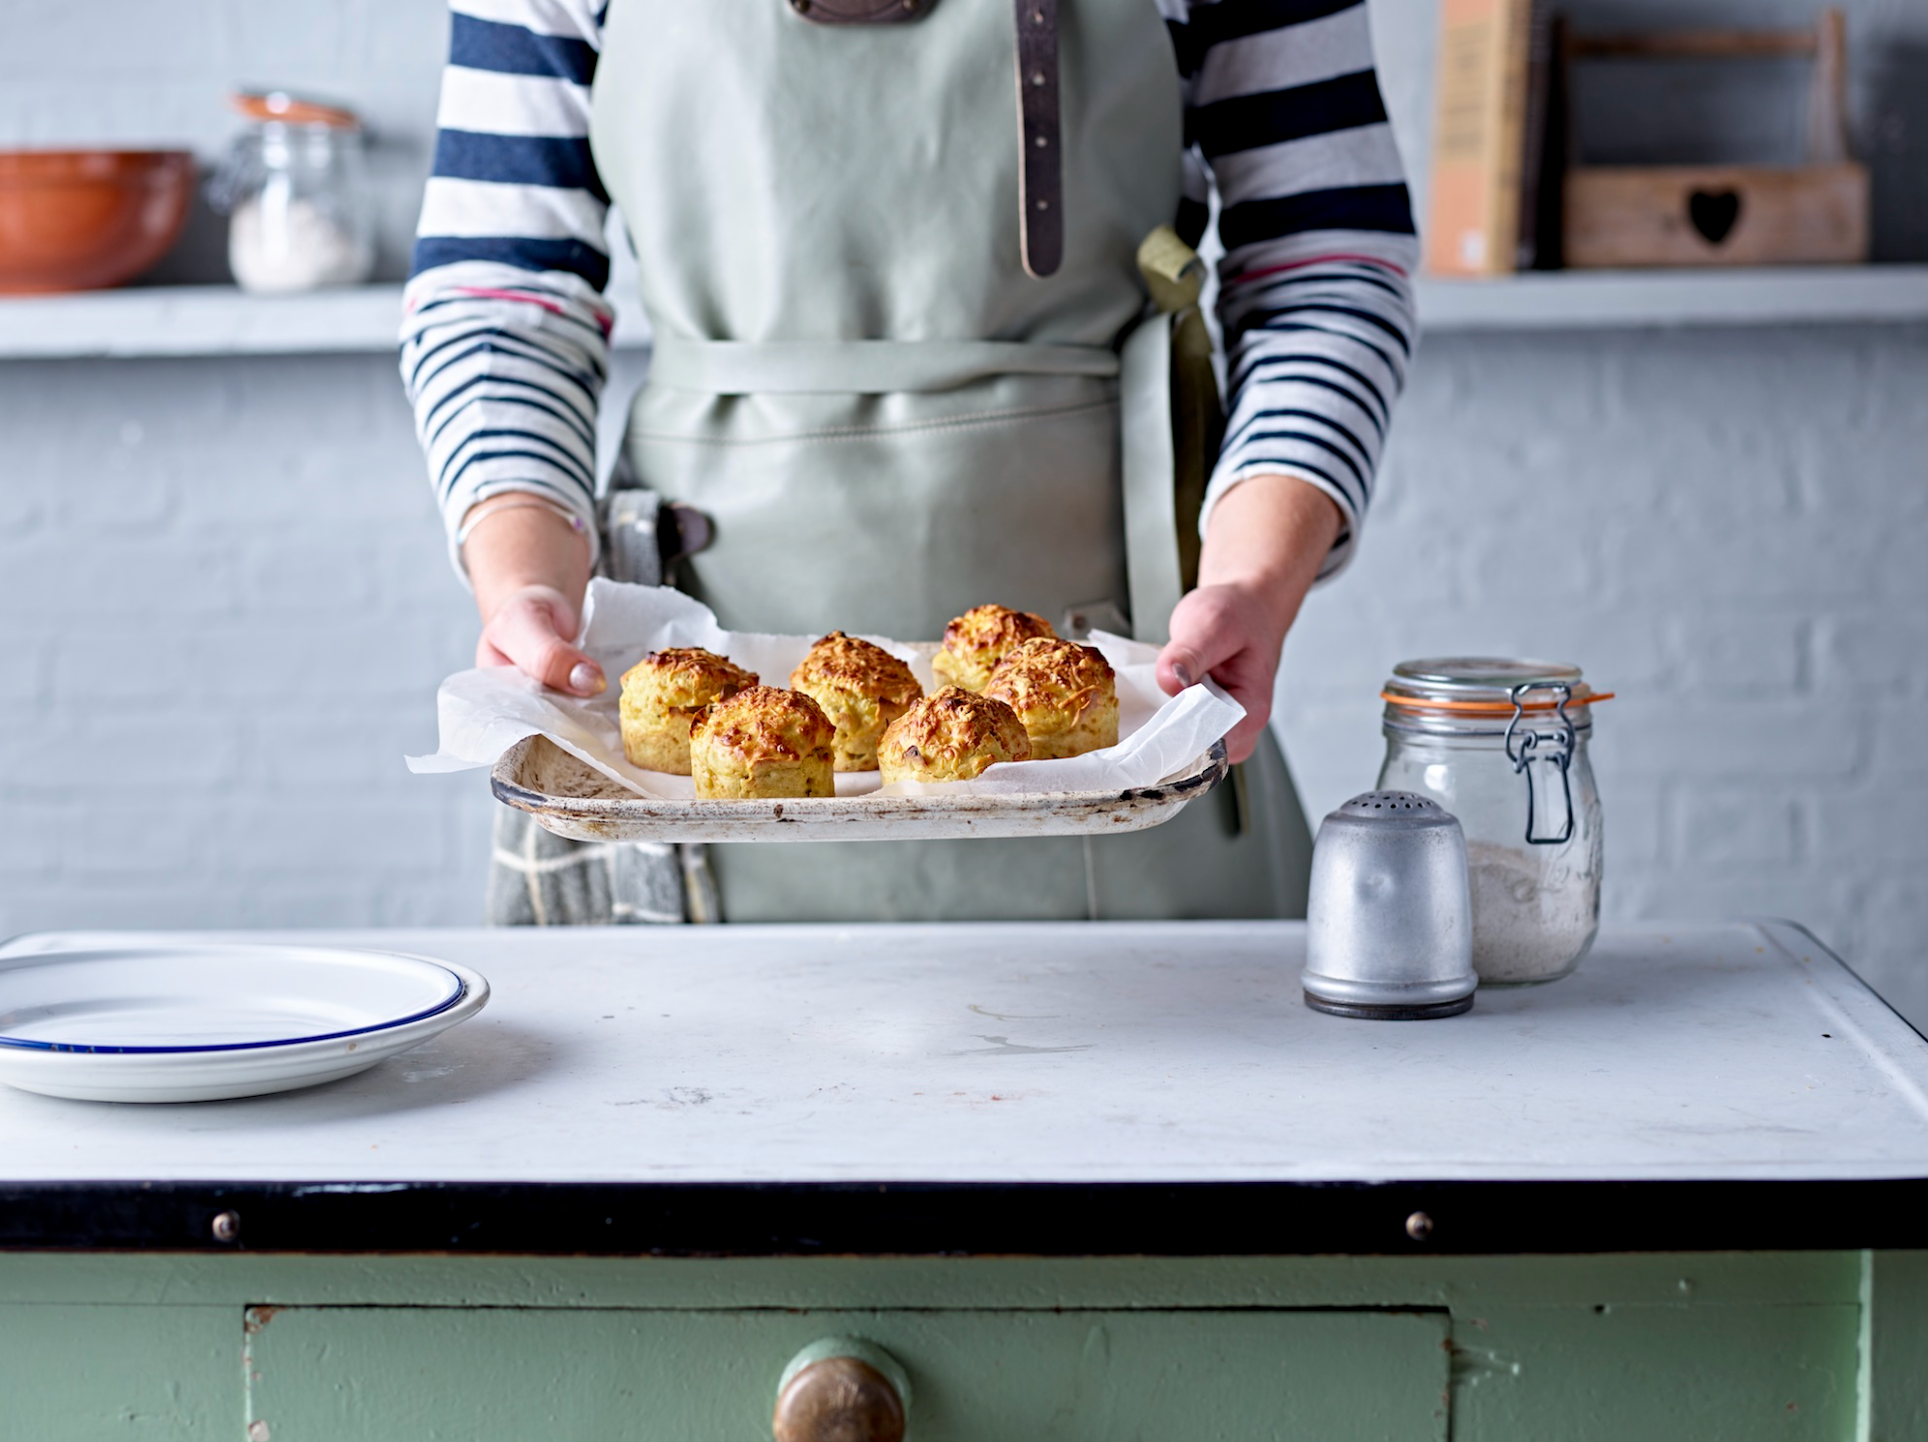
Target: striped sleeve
[505,339]
[1315,293]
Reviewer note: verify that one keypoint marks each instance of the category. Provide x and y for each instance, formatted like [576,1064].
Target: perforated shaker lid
[1407,809]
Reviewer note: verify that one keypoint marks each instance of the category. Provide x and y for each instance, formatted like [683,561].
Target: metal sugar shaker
[1389,920]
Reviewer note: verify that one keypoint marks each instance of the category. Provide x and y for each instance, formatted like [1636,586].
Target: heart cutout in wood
[1714,213]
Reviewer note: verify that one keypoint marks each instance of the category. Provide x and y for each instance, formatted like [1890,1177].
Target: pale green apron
[886,419]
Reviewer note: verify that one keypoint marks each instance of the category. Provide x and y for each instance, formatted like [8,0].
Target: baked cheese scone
[862,689]
[976,641]
[952,735]
[1065,694]
[763,742]
[662,694]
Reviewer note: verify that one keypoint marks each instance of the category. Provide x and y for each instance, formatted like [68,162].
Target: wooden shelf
[211,320]
[1646,299]
[220,320]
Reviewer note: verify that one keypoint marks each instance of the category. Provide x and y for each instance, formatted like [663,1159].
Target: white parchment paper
[483,713]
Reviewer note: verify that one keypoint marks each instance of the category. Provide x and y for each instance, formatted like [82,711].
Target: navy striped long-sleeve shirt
[505,343]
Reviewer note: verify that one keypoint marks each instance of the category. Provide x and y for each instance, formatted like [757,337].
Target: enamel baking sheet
[572,800]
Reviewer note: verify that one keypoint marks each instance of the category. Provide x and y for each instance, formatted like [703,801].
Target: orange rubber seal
[292,110]
[1490,708]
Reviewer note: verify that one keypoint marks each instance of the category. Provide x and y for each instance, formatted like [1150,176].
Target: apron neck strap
[1041,188]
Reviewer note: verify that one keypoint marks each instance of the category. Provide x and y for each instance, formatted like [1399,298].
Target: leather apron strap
[1041,175]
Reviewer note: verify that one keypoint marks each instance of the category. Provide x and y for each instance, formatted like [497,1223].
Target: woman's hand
[530,569]
[1267,539]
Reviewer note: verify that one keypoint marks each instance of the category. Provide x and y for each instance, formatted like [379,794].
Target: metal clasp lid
[1555,748]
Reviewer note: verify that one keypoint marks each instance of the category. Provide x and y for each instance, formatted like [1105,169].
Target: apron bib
[887,419]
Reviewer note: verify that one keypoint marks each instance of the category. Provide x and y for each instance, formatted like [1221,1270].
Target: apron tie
[860,367]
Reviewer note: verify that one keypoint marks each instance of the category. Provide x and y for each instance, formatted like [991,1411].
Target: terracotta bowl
[80,219]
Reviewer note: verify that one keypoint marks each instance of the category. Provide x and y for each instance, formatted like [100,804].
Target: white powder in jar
[1534,912]
[294,246]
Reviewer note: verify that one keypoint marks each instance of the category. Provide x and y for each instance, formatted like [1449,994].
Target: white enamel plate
[205,1021]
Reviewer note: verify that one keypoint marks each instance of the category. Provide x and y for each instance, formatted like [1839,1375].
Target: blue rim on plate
[17,1043]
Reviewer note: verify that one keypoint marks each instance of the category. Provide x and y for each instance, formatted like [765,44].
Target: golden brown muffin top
[765,723]
[984,633]
[687,676]
[845,663]
[1051,680]
[955,723]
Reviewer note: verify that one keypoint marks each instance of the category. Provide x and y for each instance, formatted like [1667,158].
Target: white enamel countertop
[1085,1053]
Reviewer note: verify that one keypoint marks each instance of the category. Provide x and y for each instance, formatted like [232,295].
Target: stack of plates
[200,1022]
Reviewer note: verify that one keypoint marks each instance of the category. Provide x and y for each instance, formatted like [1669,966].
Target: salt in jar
[1502,744]
[293,186]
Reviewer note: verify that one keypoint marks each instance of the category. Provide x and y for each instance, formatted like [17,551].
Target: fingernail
[1182,672]
[587,680]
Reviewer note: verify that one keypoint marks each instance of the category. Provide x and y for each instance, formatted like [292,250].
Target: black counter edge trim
[1841,961]
[982,1219]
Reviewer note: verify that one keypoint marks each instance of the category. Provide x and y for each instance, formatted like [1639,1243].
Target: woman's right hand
[530,568]
[530,630]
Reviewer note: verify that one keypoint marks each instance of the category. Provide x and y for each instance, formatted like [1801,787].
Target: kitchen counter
[671,1082]
[662,1160]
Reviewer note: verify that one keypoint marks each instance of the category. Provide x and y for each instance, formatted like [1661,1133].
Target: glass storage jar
[1503,746]
[294,190]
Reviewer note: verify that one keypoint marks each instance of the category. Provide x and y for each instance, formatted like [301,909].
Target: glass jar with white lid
[1502,744]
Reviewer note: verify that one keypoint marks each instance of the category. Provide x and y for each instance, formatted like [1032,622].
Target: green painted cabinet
[1770,1347]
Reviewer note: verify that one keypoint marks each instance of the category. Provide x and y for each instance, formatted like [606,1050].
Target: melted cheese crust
[862,689]
[763,742]
[1065,694]
[953,735]
[976,641]
[662,694]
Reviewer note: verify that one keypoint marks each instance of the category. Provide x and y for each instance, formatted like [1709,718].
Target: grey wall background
[223,604]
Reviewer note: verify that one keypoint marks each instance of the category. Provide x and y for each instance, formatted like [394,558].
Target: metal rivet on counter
[1419,1226]
[227,1226]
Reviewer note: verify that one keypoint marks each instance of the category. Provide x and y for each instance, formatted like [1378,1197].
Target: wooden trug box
[1677,215]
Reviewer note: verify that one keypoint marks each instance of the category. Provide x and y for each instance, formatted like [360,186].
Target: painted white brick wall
[222,614]
[1720,526]
[223,604]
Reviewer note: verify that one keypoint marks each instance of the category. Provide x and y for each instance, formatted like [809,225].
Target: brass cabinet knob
[842,1389]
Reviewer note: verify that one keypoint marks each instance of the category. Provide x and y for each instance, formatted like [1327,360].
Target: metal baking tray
[578,802]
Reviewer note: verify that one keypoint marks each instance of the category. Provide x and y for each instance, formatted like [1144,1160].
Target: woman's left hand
[1267,539]
[1230,633]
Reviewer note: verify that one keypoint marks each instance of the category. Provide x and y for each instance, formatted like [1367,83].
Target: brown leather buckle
[862,12]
